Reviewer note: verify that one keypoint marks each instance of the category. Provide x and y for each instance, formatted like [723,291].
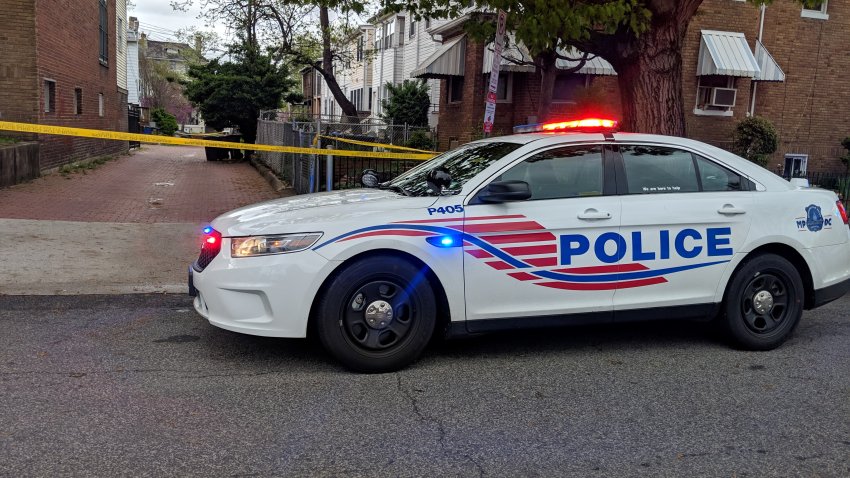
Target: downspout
[752,110]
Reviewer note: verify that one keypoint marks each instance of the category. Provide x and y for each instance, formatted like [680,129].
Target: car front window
[462,164]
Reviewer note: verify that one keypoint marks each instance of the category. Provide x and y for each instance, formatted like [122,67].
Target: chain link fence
[309,172]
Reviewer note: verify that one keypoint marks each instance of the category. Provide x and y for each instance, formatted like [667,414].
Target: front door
[549,256]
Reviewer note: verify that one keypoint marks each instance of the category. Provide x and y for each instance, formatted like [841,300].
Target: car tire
[377,314]
[764,302]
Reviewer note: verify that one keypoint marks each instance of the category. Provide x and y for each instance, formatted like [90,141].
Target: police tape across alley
[570,223]
[411,153]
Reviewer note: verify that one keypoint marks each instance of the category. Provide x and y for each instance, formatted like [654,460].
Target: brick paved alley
[130,225]
[155,184]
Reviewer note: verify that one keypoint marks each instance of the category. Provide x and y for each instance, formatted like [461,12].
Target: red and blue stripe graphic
[524,250]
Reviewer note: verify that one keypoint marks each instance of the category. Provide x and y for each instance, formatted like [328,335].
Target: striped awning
[726,54]
[448,60]
[516,53]
[770,70]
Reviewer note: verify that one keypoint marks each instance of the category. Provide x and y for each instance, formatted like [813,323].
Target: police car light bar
[587,125]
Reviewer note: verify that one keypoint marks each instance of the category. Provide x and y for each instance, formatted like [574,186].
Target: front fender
[445,263]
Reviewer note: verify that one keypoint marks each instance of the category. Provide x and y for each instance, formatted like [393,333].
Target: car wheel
[764,302]
[377,314]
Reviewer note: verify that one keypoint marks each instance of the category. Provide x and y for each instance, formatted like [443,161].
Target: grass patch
[5,140]
[84,166]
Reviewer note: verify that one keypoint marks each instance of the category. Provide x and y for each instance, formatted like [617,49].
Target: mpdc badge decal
[814,220]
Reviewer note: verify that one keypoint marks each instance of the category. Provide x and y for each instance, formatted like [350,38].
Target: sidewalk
[131,225]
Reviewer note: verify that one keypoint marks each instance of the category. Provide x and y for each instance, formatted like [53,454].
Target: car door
[536,259]
[684,216]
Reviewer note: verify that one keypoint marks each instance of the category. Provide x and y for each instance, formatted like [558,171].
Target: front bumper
[268,296]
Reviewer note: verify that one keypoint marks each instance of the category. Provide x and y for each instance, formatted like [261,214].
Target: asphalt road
[140,385]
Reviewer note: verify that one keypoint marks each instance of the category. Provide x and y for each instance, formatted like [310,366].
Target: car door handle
[730,210]
[594,215]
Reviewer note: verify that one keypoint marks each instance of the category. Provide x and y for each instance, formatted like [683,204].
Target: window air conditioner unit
[724,97]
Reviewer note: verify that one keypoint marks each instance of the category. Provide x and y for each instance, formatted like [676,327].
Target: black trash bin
[223,154]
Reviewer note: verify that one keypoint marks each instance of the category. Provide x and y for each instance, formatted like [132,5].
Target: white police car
[529,230]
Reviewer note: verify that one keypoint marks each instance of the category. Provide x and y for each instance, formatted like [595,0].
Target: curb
[275,182]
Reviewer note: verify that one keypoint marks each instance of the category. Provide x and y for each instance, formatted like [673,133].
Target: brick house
[58,68]
[311,88]
[788,64]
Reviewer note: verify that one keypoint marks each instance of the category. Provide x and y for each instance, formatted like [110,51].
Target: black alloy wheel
[377,314]
[764,302]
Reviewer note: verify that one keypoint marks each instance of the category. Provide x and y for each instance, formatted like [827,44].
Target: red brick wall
[67,51]
[18,84]
[463,121]
[810,109]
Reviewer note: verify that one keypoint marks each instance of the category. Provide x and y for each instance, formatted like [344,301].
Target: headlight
[264,245]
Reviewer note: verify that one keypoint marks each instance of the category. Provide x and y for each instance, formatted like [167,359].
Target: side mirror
[438,179]
[504,191]
[369,178]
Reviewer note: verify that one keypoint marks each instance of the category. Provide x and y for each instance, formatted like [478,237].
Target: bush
[846,158]
[755,138]
[165,121]
[408,103]
[420,140]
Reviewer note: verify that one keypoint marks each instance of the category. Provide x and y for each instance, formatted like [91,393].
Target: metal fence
[838,182]
[309,172]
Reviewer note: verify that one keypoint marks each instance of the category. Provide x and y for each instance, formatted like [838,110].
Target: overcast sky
[159,20]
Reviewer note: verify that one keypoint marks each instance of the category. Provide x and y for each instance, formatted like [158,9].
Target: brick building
[58,68]
[788,67]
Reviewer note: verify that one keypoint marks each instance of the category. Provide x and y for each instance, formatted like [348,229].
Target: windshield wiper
[396,188]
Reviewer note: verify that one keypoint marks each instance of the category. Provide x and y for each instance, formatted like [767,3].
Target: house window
[412,27]
[716,95]
[401,24]
[369,104]
[379,35]
[567,86]
[360,48]
[504,87]
[427,23]
[100,104]
[795,165]
[817,11]
[389,35]
[356,98]
[49,96]
[455,93]
[119,34]
[104,34]
[78,101]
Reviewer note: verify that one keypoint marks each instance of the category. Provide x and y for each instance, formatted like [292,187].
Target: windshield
[462,163]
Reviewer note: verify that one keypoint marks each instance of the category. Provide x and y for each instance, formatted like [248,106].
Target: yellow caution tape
[171,140]
[376,145]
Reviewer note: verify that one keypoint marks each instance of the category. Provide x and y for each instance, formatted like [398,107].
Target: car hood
[311,211]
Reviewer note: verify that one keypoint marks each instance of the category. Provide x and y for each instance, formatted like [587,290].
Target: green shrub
[165,121]
[755,138]
[421,140]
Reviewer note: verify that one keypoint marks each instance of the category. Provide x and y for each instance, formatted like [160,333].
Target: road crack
[441,430]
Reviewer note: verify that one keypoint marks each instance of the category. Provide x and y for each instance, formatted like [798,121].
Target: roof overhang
[726,54]
[516,58]
[769,69]
[448,60]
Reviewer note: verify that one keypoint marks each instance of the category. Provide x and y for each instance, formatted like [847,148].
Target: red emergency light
[585,125]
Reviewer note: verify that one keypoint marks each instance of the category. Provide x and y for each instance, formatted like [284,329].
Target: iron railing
[309,172]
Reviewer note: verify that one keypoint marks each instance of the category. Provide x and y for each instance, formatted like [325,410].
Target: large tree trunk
[327,72]
[651,82]
[548,73]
